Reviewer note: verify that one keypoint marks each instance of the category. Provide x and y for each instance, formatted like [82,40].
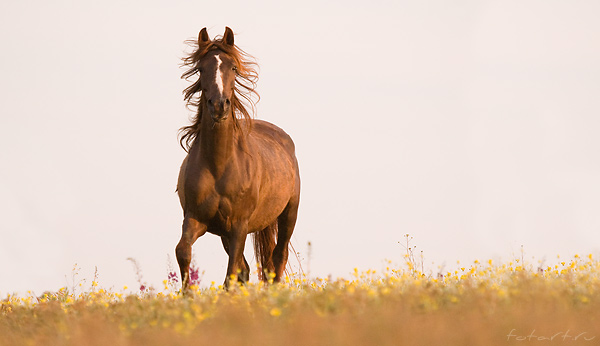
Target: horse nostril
[210,102]
[227,102]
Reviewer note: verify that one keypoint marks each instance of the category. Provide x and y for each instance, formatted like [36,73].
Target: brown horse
[240,175]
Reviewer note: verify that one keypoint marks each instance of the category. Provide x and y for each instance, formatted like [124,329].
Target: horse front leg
[192,229]
[246,267]
[237,266]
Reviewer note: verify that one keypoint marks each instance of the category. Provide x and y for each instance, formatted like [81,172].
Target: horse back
[270,134]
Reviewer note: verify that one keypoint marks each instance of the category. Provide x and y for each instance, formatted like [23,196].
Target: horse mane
[244,97]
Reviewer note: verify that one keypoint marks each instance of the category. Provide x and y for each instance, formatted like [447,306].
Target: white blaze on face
[219,76]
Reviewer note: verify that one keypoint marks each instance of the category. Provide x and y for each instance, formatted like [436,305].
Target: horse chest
[218,201]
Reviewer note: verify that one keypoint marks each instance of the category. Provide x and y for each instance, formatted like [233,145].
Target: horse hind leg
[286,223]
[192,229]
[264,243]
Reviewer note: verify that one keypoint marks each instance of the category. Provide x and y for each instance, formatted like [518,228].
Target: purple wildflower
[173,278]
[194,276]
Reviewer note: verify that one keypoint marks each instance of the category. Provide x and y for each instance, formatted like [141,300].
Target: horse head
[217,70]
[224,81]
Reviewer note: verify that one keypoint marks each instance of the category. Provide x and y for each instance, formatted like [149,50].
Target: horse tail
[264,243]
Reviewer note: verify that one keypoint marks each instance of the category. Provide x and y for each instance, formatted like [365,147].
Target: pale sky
[472,125]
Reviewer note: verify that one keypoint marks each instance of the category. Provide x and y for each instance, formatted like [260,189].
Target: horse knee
[192,230]
[183,251]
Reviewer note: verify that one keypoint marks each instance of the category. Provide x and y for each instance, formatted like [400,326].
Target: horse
[240,175]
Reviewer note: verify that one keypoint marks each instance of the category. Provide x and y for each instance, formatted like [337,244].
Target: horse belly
[277,188]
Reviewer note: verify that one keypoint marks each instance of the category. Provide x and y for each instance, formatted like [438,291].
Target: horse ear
[203,37]
[228,36]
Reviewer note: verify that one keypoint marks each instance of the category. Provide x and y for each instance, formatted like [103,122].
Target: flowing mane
[244,96]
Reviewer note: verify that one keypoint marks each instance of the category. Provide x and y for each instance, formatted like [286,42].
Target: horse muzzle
[219,109]
[217,118]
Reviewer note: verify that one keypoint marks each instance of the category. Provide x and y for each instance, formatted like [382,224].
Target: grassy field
[482,304]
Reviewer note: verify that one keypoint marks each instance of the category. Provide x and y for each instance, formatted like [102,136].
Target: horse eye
[234,68]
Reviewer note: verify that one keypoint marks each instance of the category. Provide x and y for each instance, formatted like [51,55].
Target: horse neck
[217,142]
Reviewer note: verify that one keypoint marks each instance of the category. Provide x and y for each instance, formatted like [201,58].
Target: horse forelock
[244,97]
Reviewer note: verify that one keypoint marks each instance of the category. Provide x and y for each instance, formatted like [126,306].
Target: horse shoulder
[181,181]
[196,187]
